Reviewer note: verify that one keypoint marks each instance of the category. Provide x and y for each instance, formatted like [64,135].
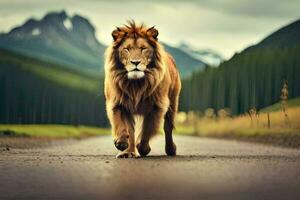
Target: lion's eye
[143,48]
[126,50]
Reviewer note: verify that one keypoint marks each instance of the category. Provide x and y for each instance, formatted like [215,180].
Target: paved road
[204,169]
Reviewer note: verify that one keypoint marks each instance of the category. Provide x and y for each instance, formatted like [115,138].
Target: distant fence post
[195,122]
[269,122]
[253,114]
[284,104]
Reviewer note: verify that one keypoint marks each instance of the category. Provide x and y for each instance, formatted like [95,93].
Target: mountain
[208,56]
[71,42]
[287,36]
[58,38]
[251,78]
[185,63]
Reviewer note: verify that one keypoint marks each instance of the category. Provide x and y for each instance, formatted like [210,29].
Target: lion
[142,86]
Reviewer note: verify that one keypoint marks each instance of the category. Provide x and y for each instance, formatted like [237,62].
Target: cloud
[255,8]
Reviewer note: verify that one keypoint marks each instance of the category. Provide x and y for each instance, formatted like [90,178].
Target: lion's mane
[130,92]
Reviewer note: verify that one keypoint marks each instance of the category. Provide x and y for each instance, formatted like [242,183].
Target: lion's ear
[153,32]
[115,34]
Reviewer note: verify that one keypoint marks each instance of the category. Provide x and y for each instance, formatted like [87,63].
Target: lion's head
[134,63]
[135,49]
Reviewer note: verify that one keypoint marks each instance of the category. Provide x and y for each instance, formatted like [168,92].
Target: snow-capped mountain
[58,38]
[208,56]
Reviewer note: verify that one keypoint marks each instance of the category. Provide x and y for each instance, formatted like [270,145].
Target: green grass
[53,131]
[277,106]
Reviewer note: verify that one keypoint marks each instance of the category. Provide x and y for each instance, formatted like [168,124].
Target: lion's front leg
[130,151]
[122,126]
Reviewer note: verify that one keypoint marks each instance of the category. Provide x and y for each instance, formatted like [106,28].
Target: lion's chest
[139,108]
[144,107]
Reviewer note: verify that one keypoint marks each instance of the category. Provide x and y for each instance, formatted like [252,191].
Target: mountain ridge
[209,56]
[71,41]
[286,36]
[51,40]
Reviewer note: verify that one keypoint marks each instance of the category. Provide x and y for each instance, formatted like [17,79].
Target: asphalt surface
[203,169]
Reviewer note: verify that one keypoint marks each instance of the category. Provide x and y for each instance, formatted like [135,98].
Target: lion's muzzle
[135,74]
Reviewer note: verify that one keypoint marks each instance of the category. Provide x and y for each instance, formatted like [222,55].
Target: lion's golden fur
[155,97]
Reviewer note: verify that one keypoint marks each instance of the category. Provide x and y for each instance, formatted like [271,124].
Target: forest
[253,78]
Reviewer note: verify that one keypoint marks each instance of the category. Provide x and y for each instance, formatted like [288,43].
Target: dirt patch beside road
[8,143]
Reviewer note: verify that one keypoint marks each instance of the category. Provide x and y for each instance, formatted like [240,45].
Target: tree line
[253,78]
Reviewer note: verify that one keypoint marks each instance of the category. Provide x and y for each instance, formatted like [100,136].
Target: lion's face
[135,49]
[135,55]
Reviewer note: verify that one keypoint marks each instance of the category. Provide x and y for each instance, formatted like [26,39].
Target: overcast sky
[226,26]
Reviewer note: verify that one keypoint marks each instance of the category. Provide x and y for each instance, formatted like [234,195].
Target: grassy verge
[51,131]
[280,131]
[275,129]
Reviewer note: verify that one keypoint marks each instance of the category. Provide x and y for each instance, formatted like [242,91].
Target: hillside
[287,36]
[55,73]
[185,63]
[277,106]
[252,78]
[36,91]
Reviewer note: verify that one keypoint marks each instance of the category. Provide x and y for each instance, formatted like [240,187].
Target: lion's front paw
[126,154]
[122,142]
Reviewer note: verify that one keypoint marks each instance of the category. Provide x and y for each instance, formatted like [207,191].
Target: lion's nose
[135,62]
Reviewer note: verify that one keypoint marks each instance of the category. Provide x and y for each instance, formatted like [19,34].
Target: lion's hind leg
[170,146]
[150,127]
